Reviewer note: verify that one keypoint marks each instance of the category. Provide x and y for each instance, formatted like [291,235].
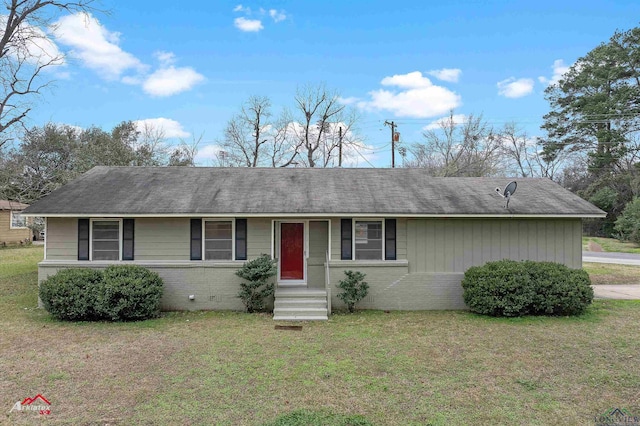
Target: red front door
[292,251]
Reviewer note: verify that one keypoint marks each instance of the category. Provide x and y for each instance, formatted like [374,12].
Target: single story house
[412,235]
[13,226]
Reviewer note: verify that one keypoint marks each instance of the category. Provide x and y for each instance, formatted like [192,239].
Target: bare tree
[311,136]
[150,146]
[283,146]
[185,153]
[319,113]
[247,132]
[470,148]
[25,51]
[524,155]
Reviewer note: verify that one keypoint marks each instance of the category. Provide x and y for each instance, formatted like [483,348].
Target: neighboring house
[13,226]
[412,235]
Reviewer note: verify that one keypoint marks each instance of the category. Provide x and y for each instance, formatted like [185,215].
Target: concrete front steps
[300,304]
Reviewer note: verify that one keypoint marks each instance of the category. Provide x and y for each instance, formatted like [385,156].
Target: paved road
[627,292]
[604,257]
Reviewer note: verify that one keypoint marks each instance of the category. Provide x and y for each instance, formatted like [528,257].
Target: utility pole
[393,141]
[340,146]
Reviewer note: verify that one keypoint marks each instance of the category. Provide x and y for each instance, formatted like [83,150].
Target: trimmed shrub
[70,294]
[129,293]
[257,272]
[510,288]
[119,293]
[354,289]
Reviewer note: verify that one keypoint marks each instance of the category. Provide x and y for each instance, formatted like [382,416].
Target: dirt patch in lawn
[593,246]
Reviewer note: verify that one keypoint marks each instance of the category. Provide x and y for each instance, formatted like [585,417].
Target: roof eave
[321,214]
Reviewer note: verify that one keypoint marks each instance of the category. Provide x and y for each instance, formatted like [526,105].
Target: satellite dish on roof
[509,190]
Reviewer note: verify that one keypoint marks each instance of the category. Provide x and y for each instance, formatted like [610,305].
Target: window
[368,240]
[218,240]
[17,221]
[105,240]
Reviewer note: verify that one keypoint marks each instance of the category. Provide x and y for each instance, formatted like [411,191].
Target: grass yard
[608,245]
[438,368]
[609,273]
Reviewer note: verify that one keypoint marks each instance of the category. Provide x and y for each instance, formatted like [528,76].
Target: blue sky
[190,65]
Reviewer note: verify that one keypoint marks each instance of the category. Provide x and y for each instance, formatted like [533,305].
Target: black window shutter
[128,232]
[390,239]
[83,239]
[196,239]
[241,239]
[345,239]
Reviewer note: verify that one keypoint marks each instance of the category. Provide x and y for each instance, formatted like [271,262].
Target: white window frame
[120,237]
[18,212]
[353,237]
[233,239]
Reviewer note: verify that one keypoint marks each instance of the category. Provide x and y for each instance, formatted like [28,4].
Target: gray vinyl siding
[169,238]
[162,239]
[454,245]
[401,238]
[258,237]
[62,238]
[156,239]
[335,239]
[432,256]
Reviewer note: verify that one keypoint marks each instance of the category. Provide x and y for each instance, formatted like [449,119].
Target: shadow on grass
[595,313]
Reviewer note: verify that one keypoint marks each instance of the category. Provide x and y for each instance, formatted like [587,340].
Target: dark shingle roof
[247,191]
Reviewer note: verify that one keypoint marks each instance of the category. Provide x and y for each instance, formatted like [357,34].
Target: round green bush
[510,288]
[118,293]
[70,294]
[129,293]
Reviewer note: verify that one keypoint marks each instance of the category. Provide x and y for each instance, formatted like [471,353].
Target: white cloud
[131,80]
[277,16]
[76,129]
[170,128]
[451,75]
[171,81]
[348,101]
[95,46]
[241,8]
[412,80]
[512,88]
[418,97]
[457,119]
[165,58]
[559,69]
[248,25]
[208,154]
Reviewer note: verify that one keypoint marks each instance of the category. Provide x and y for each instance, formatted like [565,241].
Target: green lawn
[611,273]
[608,245]
[419,368]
